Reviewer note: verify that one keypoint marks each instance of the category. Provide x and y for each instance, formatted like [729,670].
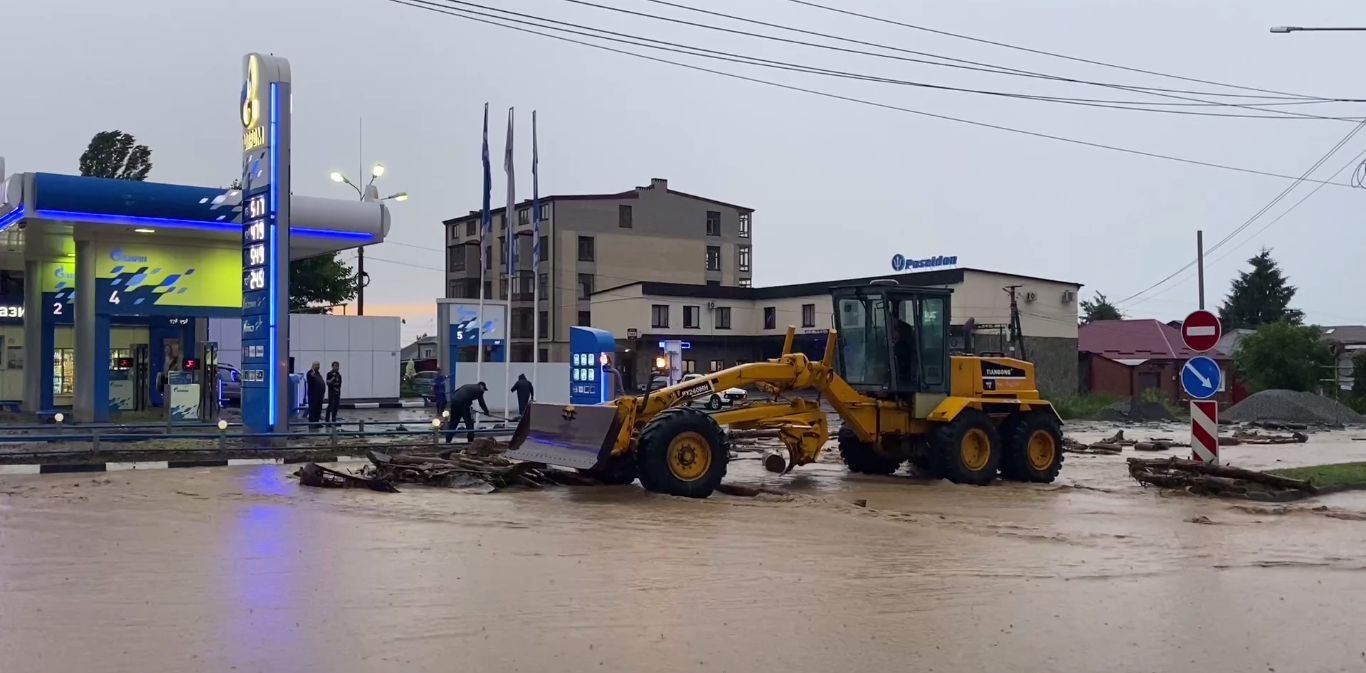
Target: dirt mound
[1293,407]
[1135,411]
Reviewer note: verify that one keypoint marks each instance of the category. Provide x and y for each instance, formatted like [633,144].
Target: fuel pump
[122,384]
[142,378]
[210,387]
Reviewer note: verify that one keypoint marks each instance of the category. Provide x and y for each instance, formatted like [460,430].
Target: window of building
[659,315]
[585,285]
[488,258]
[545,248]
[713,258]
[521,324]
[488,288]
[744,258]
[503,287]
[524,216]
[692,317]
[716,366]
[585,248]
[543,328]
[624,217]
[713,223]
[503,222]
[713,283]
[543,285]
[456,257]
[585,318]
[808,315]
[545,355]
[545,215]
[744,225]
[745,282]
[770,317]
[690,366]
[452,289]
[503,252]
[723,317]
[469,227]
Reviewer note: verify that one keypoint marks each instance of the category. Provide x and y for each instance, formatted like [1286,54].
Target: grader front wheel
[859,456]
[681,452]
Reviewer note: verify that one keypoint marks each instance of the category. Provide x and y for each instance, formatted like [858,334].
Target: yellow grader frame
[962,418]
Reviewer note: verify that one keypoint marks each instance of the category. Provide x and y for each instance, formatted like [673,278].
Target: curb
[167,464]
[395,404]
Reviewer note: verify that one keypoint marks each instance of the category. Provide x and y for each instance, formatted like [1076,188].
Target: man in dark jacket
[316,391]
[524,391]
[462,408]
[334,383]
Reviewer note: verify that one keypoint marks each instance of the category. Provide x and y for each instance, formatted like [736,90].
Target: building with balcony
[592,241]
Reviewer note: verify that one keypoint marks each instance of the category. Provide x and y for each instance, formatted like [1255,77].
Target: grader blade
[564,435]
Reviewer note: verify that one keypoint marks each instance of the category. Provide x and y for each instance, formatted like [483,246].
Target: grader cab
[886,371]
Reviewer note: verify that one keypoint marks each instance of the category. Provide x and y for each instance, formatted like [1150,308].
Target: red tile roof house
[1127,357]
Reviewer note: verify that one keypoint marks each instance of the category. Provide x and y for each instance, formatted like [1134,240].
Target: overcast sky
[837,186]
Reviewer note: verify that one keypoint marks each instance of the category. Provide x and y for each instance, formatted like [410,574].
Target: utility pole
[1200,264]
[1016,332]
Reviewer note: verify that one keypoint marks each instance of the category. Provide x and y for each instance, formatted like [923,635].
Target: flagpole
[535,255]
[510,245]
[485,223]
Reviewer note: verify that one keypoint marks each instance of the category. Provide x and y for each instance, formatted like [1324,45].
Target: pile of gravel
[1135,411]
[1289,406]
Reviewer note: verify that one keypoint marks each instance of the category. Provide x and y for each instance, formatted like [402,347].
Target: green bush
[1083,406]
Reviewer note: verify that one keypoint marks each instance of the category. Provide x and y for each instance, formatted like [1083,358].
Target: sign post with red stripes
[1205,431]
[1202,378]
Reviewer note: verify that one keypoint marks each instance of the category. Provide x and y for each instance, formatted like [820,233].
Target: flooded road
[240,569]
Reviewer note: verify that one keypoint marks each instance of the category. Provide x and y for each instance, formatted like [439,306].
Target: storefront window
[63,370]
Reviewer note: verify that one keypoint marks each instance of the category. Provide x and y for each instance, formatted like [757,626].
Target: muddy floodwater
[240,569]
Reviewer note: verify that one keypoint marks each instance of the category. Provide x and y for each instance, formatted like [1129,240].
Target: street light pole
[368,193]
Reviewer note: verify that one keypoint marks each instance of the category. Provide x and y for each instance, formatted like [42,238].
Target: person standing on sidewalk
[438,393]
[334,384]
[315,391]
[525,391]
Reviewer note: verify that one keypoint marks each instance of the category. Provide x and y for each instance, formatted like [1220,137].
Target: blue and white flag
[486,222]
[535,203]
[509,216]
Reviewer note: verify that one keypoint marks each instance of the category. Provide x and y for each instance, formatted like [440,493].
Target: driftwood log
[318,476]
[1204,478]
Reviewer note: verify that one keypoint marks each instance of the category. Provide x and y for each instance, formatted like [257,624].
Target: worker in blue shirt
[439,392]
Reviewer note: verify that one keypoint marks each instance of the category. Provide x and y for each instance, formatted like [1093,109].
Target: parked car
[422,384]
[727,397]
[230,386]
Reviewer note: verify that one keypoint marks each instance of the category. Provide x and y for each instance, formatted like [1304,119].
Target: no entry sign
[1201,331]
[1205,432]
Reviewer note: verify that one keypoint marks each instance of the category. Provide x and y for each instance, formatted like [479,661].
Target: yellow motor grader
[887,372]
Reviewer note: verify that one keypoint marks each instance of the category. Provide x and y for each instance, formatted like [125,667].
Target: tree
[115,154]
[317,281]
[1099,308]
[1259,297]
[1283,355]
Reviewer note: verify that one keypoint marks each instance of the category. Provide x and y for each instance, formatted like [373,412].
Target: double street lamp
[368,193]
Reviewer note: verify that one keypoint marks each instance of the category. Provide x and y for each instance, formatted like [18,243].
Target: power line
[1287,211]
[1114,148]
[994,68]
[1062,56]
[675,47]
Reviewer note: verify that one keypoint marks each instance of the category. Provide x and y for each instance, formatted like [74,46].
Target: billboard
[464,322]
[134,279]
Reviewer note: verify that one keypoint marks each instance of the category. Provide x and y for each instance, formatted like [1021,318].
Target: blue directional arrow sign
[1200,377]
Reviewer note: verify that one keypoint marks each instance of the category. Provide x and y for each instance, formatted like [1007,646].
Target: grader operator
[888,374]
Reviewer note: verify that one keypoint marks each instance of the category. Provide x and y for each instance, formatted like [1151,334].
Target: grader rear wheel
[1033,449]
[681,452]
[967,450]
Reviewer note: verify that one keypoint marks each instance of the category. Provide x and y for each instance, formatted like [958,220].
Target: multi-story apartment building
[592,241]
